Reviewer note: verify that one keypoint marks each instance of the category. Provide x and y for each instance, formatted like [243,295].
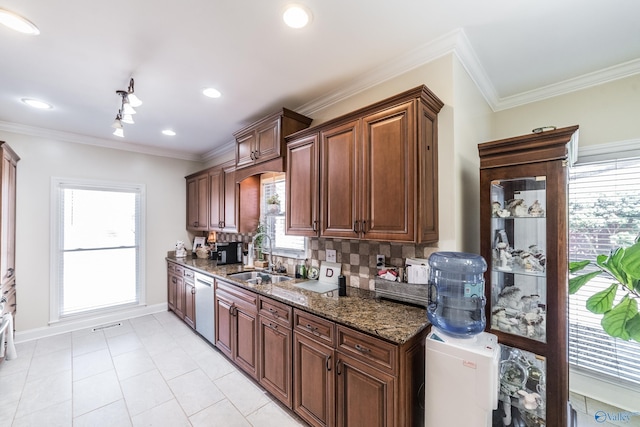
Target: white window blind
[604,212]
[98,241]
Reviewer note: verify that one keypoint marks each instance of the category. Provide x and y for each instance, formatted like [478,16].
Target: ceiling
[516,52]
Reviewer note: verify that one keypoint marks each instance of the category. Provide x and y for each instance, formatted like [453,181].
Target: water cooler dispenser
[461,375]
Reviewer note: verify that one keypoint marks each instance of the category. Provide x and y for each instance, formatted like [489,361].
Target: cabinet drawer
[374,351]
[239,296]
[179,270]
[189,275]
[321,330]
[274,310]
[171,267]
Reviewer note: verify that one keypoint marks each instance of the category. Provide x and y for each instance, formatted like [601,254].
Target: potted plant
[273,203]
[621,320]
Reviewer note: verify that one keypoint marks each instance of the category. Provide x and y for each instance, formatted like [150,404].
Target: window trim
[57,185]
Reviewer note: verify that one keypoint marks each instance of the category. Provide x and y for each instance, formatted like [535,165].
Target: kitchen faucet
[270,265]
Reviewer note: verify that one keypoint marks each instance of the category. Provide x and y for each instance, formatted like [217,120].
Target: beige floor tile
[88,343]
[272,415]
[159,342]
[123,343]
[113,415]
[221,414]
[89,364]
[7,411]
[133,363]
[49,364]
[195,391]
[58,415]
[52,344]
[44,392]
[95,392]
[214,364]
[145,391]
[242,393]
[173,363]
[168,414]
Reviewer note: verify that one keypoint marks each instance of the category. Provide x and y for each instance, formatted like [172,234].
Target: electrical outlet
[379,261]
[331,255]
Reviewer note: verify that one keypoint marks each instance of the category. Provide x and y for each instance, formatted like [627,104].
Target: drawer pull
[313,329]
[362,349]
[274,312]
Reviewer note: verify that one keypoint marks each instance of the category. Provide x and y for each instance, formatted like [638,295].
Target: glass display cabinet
[523,217]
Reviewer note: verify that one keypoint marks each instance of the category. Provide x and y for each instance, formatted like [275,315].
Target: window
[604,212]
[273,217]
[97,236]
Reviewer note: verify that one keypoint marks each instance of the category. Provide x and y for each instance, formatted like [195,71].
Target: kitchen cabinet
[264,140]
[301,182]
[523,214]
[344,377]
[198,202]
[274,349]
[189,308]
[175,275]
[376,173]
[236,325]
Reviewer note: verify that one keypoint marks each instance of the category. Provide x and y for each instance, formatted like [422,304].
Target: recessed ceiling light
[18,23]
[168,132]
[41,105]
[296,16]
[211,93]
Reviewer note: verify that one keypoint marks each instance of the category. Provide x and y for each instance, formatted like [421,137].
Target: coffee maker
[228,253]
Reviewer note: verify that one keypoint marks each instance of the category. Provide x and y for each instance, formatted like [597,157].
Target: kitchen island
[333,360]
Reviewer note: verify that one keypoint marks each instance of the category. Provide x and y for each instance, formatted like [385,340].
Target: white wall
[42,159]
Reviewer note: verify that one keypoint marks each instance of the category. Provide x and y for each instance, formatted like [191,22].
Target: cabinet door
[172,286]
[224,324]
[216,199]
[302,187]
[339,157]
[275,359]
[231,190]
[246,337]
[313,381]
[268,141]
[179,290]
[189,304]
[365,396]
[197,202]
[388,172]
[245,149]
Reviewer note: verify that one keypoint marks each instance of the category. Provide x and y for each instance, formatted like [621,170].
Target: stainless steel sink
[253,276]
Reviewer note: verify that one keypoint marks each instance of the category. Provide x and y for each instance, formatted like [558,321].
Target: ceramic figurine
[495,207]
[536,209]
[517,207]
[181,252]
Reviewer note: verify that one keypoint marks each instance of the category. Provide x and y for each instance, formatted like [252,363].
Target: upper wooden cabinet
[264,139]
[197,201]
[215,197]
[377,173]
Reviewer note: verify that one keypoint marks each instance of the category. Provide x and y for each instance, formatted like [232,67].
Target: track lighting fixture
[128,100]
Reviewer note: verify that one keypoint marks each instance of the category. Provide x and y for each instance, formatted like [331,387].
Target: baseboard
[87,322]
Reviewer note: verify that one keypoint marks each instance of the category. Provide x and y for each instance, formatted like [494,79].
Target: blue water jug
[456,296]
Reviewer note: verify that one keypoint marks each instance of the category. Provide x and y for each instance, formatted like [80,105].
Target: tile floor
[151,371]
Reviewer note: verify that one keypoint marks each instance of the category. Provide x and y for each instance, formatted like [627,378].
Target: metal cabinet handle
[193,290]
[251,156]
[329,363]
[364,227]
[274,312]
[362,349]
[314,226]
[338,371]
[256,154]
[313,329]
[355,226]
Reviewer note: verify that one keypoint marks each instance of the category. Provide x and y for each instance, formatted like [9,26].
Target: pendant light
[128,100]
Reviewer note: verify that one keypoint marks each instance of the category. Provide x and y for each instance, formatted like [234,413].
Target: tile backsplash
[358,257]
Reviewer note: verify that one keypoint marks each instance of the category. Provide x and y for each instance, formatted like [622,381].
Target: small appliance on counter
[229,253]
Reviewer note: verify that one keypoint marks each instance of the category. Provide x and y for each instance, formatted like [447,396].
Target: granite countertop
[360,309]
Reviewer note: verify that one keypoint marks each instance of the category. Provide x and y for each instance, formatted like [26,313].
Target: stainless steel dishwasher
[204,307]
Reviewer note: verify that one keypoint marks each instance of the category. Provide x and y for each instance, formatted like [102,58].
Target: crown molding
[97,142]
[220,151]
[585,81]
[609,151]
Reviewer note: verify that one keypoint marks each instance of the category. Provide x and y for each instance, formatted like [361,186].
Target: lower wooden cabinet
[236,325]
[181,293]
[189,308]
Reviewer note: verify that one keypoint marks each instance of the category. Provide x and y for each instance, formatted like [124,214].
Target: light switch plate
[379,261]
[331,255]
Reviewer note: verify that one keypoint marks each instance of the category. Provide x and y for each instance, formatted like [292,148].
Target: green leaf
[633,327]
[601,302]
[575,283]
[614,321]
[611,264]
[578,265]
[630,263]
